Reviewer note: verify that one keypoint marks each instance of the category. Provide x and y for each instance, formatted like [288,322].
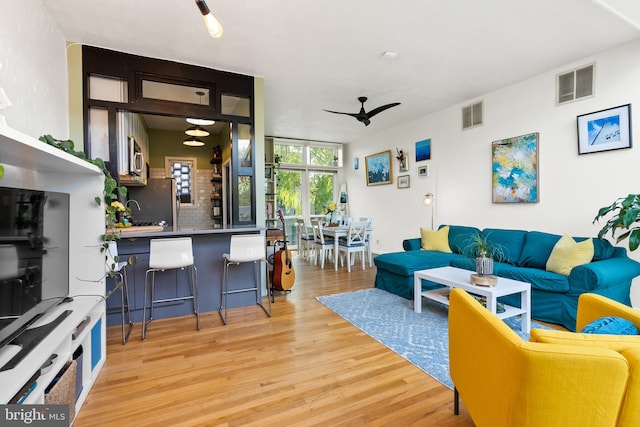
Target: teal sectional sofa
[554,297]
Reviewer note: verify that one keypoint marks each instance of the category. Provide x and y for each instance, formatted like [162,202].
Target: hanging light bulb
[213,25]
[193,142]
[197,131]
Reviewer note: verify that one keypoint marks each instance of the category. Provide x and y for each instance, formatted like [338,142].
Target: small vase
[484,266]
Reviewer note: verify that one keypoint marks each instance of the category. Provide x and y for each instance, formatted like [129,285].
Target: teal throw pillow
[610,326]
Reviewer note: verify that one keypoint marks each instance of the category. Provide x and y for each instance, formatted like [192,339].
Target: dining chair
[305,238]
[323,246]
[169,254]
[368,238]
[354,243]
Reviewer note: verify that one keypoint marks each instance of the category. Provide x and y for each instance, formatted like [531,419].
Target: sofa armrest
[412,244]
[603,274]
[593,306]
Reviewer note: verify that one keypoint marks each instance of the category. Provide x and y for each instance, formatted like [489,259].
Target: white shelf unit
[30,163]
[442,296]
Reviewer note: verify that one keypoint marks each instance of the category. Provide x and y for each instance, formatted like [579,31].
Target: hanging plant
[111,191]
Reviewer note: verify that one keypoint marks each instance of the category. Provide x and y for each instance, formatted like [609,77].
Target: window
[183,169]
[305,174]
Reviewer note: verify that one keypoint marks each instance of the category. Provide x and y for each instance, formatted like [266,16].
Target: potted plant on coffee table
[484,251]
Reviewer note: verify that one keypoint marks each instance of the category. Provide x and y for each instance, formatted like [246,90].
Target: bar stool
[118,270]
[244,248]
[170,254]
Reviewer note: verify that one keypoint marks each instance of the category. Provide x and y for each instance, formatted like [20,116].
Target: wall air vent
[472,116]
[575,84]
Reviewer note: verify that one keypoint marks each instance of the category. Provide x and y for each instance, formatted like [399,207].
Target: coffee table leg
[525,304]
[492,304]
[417,294]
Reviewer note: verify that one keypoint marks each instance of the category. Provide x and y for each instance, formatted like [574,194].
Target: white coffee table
[453,277]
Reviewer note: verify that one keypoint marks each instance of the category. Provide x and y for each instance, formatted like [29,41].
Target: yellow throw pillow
[435,240]
[567,254]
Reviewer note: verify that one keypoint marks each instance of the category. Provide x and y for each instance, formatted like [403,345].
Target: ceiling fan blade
[340,112]
[380,109]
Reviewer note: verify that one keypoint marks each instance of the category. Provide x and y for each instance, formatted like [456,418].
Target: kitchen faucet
[134,201]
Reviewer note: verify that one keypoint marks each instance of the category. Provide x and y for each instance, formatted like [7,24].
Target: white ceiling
[316,55]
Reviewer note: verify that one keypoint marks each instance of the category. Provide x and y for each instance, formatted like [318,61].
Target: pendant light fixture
[200,122]
[193,142]
[213,25]
[197,131]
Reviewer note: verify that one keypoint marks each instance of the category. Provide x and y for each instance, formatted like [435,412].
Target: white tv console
[30,163]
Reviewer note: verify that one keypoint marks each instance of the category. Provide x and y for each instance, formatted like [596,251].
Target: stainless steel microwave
[136,158]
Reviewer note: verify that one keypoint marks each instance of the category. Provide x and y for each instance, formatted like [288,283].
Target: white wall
[571,187]
[33,70]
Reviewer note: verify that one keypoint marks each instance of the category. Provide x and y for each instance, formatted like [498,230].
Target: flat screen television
[34,257]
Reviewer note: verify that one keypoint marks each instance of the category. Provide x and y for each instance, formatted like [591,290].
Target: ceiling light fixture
[213,25]
[197,131]
[193,142]
[200,122]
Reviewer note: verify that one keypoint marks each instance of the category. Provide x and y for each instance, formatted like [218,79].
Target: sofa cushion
[510,241]
[568,253]
[602,249]
[614,342]
[537,248]
[406,263]
[459,237]
[610,325]
[539,279]
[435,240]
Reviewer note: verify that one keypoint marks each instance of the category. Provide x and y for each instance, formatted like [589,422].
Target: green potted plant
[484,251]
[626,216]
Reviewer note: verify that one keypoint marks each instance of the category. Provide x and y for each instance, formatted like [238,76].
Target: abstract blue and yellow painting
[515,169]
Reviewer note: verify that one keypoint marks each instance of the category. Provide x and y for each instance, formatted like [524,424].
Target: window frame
[193,175]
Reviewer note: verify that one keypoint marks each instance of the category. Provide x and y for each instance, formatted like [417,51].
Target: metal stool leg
[258,296]
[223,293]
[194,292]
[124,301]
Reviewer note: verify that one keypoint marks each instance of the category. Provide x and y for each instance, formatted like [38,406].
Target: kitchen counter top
[156,231]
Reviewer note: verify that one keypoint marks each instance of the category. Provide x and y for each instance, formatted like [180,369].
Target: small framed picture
[423,150]
[605,130]
[403,181]
[356,163]
[268,172]
[423,171]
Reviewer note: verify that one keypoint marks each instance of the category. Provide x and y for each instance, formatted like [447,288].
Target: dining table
[336,232]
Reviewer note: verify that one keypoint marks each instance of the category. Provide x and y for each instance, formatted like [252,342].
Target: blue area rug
[421,338]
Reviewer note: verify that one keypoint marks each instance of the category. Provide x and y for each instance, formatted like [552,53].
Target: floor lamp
[429,201]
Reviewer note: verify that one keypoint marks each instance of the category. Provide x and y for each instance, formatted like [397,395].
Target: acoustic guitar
[283,273]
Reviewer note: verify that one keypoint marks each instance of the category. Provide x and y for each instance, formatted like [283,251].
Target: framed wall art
[515,169]
[403,181]
[423,171]
[423,150]
[403,160]
[605,130]
[378,168]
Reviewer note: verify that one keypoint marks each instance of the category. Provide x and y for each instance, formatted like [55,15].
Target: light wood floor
[305,366]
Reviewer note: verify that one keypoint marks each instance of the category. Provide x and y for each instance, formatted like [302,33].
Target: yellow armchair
[590,308]
[506,381]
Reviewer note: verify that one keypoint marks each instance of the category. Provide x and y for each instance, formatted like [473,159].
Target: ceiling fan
[363,116]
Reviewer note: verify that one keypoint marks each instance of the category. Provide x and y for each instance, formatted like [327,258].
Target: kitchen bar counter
[208,247]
